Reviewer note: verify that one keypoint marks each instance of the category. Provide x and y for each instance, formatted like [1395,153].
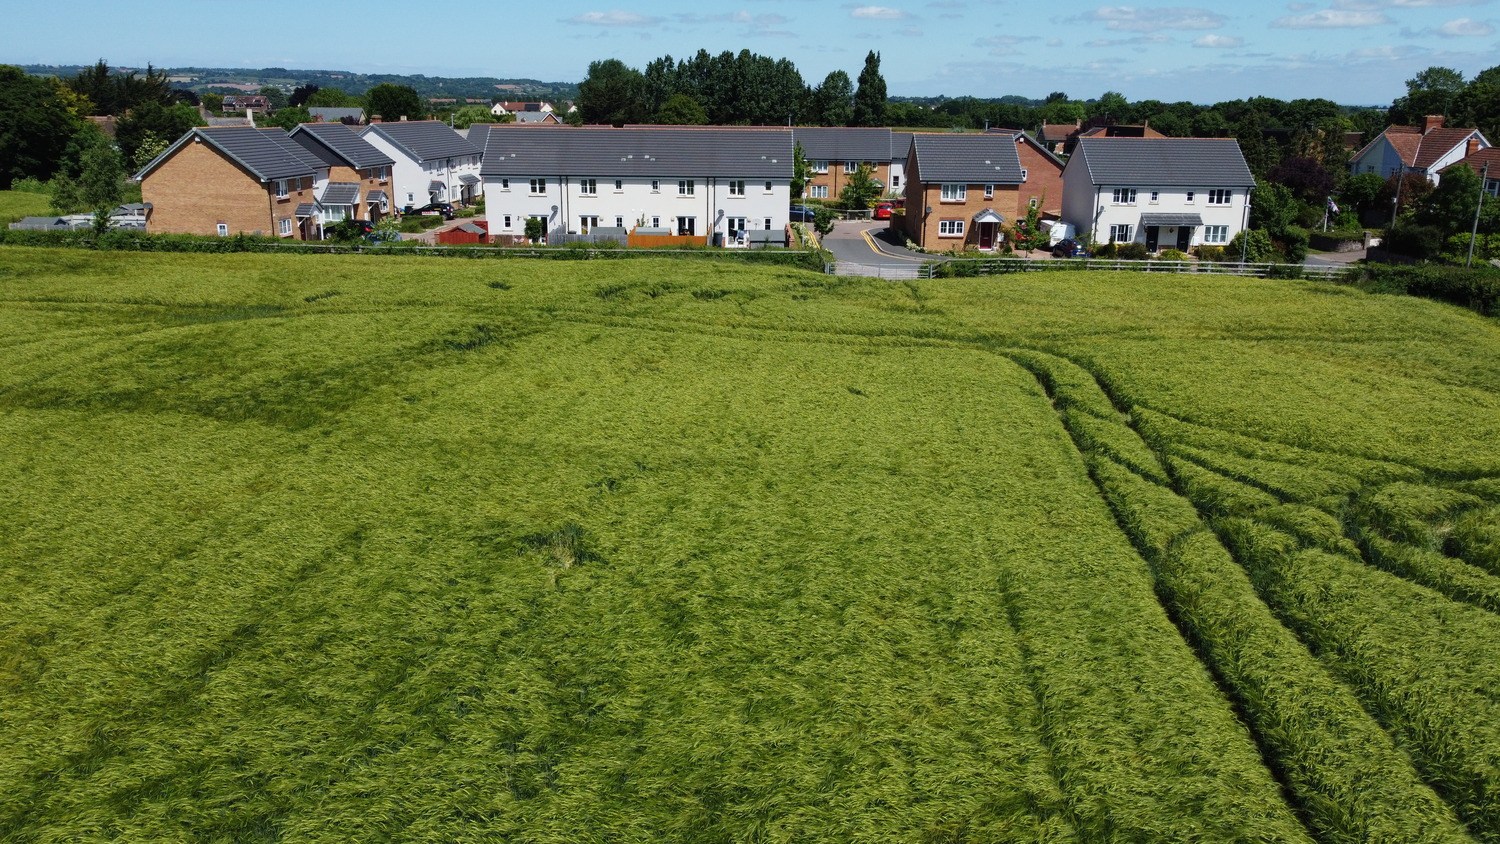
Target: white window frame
[1190,195]
[587,223]
[655,222]
[655,187]
[588,187]
[1121,233]
[817,191]
[539,187]
[619,222]
[284,227]
[950,228]
[989,191]
[686,187]
[818,166]
[851,166]
[1220,196]
[505,184]
[691,227]
[1124,196]
[951,192]
[281,189]
[223,229]
[507,221]
[1023,174]
[768,224]
[895,181]
[768,186]
[1155,197]
[619,185]
[1216,234]
[737,187]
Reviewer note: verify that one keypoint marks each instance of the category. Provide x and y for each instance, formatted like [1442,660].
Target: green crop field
[314,548]
[17,204]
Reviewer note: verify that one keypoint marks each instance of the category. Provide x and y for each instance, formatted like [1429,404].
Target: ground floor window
[1120,234]
[507,221]
[223,230]
[284,227]
[950,228]
[768,224]
[687,226]
[817,191]
[1215,234]
[587,224]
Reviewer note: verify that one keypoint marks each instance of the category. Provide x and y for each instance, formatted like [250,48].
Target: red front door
[986,235]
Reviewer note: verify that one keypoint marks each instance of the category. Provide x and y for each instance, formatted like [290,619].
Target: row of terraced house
[730,186]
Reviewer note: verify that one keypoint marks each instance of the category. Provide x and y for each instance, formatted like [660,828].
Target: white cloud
[1000,45]
[1300,7]
[1369,5]
[1331,19]
[879,13]
[1125,42]
[1132,19]
[758,21]
[1219,41]
[1465,27]
[615,17]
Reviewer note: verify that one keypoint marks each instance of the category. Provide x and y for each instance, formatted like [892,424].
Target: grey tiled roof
[1169,162]
[343,142]
[266,153]
[334,115]
[340,193]
[900,145]
[841,144]
[1171,219]
[666,153]
[423,140]
[469,179]
[967,159]
[375,196]
[307,209]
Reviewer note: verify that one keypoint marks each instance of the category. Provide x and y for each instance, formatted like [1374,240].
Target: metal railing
[966,268]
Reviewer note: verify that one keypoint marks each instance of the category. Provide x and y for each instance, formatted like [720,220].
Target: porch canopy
[1179,220]
[307,209]
[988,215]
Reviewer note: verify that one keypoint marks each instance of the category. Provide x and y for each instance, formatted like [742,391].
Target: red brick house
[963,190]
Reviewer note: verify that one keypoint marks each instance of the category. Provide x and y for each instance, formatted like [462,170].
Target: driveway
[866,248]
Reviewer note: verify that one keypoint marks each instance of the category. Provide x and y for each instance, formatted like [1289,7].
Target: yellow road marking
[865,233]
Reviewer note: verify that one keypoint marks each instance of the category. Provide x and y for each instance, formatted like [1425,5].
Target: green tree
[536,229]
[823,220]
[1451,205]
[153,121]
[861,190]
[103,174]
[330,98]
[870,95]
[1113,105]
[288,118]
[394,102]
[801,170]
[35,127]
[611,93]
[832,103]
[1361,192]
[276,97]
[214,102]
[1431,91]
[471,114]
[681,110]
[301,94]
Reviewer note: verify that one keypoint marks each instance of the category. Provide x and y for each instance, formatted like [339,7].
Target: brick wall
[836,178]
[197,188]
[1043,180]
[1006,200]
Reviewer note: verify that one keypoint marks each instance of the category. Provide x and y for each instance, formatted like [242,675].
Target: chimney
[1472,148]
[250,115]
[1430,122]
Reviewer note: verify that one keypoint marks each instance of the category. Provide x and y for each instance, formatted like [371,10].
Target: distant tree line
[729,89]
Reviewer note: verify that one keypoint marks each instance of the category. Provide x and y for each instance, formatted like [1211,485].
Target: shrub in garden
[1131,252]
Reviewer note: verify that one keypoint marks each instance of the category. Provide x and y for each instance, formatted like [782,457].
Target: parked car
[1069,249]
[441,208]
[883,211]
[800,214]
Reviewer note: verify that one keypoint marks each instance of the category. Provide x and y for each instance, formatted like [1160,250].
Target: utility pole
[1484,175]
[1396,203]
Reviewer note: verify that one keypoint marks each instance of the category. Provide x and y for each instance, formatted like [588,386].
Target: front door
[986,236]
[1184,238]
[1153,234]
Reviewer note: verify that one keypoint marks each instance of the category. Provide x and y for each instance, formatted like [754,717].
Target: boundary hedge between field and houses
[120,241]
[1477,289]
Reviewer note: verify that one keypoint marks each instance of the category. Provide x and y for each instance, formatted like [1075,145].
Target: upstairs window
[538,186]
[737,187]
[1124,196]
[1220,196]
[989,191]
[655,187]
[955,193]
[281,191]
[619,185]
[685,187]
[588,187]
[818,166]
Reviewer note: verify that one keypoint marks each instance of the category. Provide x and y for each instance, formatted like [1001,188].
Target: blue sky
[1352,51]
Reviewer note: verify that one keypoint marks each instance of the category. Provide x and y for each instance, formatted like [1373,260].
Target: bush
[1415,240]
[823,220]
[30,184]
[1477,289]
[1253,244]
[1293,245]
[1209,253]
[1172,255]
[1105,250]
[1131,252]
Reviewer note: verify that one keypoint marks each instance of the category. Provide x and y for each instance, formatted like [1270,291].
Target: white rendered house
[720,185]
[1167,193]
[1426,150]
[433,162]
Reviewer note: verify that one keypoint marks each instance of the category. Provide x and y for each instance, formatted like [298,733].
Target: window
[588,223]
[538,186]
[768,187]
[507,221]
[1124,196]
[851,166]
[817,191]
[505,184]
[1033,202]
[281,192]
[736,226]
[737,187]
[989,191]
[684,187]
[818,166]
[410,198]
[687,225]
[588,187]
[1120,233]
[383,173]
[284,227]
[619,222]
[1189,196]
[1215,234]
[895,181]
[955,193]
[656,185]
[223,230]
[1023,174]
[768,224]
[1492,187]
[1155,195]
[655,222]
[619,185]
[950,228]
[1220,197]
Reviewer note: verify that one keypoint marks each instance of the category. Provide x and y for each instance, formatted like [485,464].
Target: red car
[883,211]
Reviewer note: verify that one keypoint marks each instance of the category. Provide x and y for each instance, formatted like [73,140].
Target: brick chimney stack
[1430,122]
[1472,148]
